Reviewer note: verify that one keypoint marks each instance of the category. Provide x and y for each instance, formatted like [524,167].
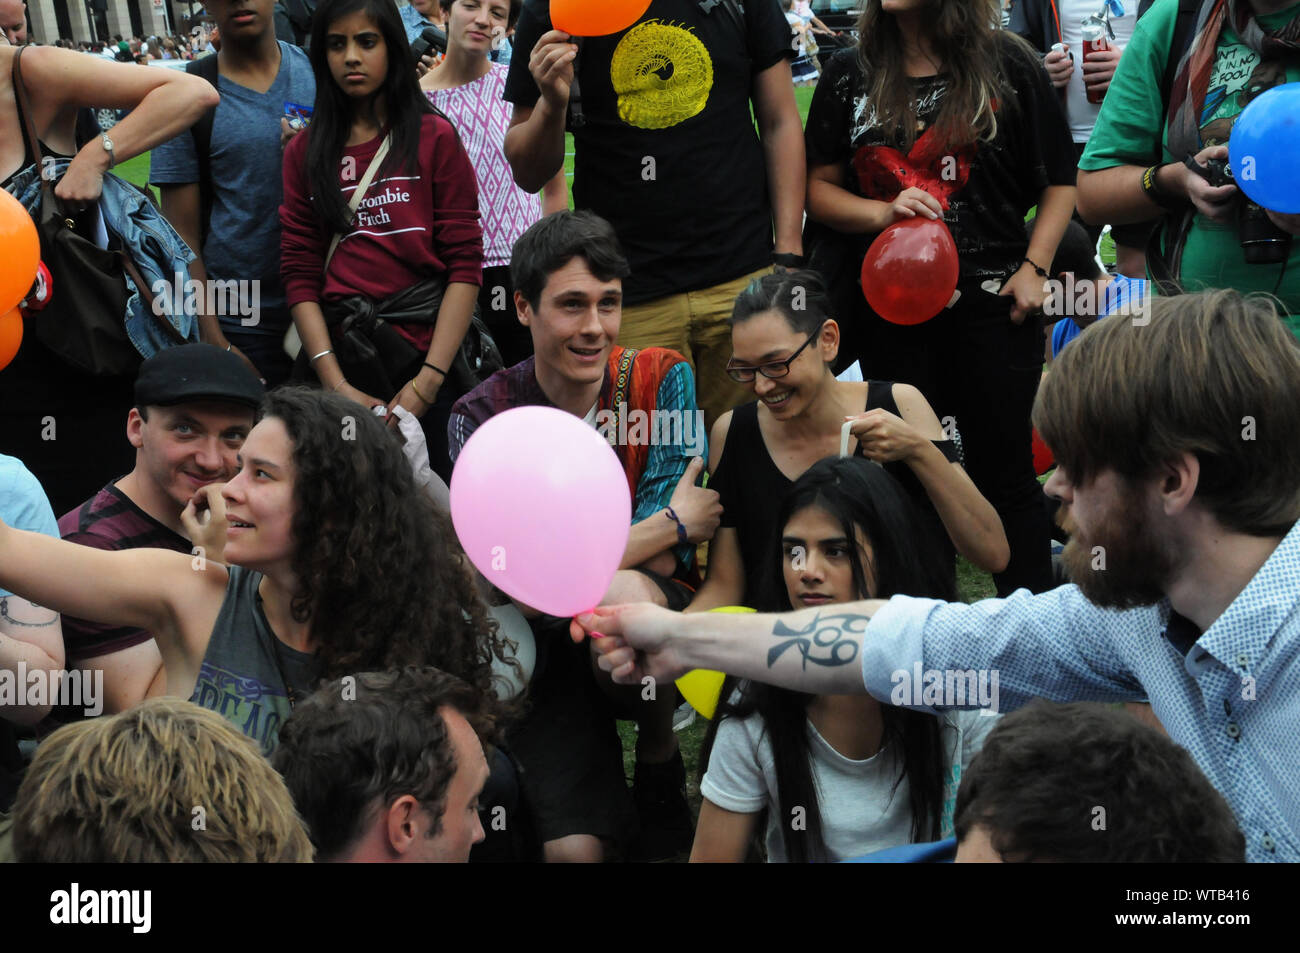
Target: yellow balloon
[701,687]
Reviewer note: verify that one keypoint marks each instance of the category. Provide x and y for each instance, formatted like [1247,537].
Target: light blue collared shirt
[1233,700]
[414,22]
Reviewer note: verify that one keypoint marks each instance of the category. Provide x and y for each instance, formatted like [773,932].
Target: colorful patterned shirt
[481,117]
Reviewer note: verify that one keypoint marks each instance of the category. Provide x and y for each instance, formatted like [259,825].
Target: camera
[1262,242]
[431,39]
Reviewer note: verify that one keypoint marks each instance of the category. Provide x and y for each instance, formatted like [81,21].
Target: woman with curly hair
[337,564]
[936,113]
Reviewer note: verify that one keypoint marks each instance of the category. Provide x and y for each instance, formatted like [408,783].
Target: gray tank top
[245,669]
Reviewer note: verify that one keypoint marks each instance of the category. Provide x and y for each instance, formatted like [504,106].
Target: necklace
[275,655]
[279,667]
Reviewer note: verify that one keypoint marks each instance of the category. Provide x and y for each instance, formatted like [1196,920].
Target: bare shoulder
[909,398]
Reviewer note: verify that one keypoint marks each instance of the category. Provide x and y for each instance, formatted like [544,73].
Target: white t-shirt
[1081,113]
[859,813]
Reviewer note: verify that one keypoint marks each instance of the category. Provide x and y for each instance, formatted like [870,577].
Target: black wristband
[682,536]
[789,260]
[435,367]
[1151,188]
[1037,270]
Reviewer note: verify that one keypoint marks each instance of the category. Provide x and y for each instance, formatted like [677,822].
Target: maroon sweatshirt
[407,228]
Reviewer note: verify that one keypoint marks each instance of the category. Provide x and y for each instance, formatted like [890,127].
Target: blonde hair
[1214,374]
[163,782]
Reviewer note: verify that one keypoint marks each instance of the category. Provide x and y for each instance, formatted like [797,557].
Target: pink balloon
[541,506]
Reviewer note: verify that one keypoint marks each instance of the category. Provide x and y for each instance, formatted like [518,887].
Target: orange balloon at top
[20,252]
[596,17]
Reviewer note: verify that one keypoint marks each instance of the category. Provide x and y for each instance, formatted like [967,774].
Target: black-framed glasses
[744,374]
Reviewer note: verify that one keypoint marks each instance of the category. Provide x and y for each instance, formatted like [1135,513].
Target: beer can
[1094,42]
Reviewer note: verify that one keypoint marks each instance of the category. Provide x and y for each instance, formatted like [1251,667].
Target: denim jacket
[159,253]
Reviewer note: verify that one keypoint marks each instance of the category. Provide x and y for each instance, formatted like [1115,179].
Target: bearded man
[1178,442]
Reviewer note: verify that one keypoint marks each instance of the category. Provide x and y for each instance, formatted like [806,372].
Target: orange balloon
[20,251]
[596,17]
[11,335]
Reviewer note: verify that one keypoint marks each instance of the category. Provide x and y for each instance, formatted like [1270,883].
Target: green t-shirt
[1130,131]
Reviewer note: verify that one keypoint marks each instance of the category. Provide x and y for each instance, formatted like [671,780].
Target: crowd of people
[259,594]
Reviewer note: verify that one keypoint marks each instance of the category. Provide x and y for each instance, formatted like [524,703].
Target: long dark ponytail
[331,120]
[868,501]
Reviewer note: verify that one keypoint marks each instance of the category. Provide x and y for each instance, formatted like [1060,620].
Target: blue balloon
[1263,148]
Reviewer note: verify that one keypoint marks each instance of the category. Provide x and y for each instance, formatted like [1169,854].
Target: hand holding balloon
[551,64]
[913,202]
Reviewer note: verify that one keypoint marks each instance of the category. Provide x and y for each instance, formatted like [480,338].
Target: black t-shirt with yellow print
[668,152]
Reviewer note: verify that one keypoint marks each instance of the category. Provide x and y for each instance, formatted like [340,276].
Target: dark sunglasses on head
[744,373]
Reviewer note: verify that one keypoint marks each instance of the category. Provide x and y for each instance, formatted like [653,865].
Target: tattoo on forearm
[827,640]
[6,617]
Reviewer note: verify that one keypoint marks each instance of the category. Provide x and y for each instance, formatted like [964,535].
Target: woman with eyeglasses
[783,343]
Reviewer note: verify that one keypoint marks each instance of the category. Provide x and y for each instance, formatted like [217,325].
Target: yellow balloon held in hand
[701,687]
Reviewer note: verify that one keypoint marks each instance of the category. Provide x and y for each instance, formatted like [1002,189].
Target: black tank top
[751,487]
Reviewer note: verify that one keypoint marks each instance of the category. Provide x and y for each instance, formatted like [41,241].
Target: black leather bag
[83,322]
[478,358]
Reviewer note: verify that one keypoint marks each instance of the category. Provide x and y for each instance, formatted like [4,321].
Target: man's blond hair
[165,781]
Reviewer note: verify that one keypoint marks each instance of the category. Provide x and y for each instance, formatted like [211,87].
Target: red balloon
[596,17]
[910,271]
[11,336]
[1043,458]
[20,251]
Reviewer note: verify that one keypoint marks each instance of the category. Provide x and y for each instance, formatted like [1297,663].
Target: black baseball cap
[190,372]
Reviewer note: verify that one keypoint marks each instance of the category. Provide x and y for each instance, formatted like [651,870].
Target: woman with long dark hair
[337,564]
[381,250]
[838,775]
[784,340]
[937,113]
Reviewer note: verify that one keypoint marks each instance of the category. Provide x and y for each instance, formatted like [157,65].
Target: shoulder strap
[362,187]
[1184,27]
[207,67]
[29,126]
[1164,246]
[623,379]
[881,394]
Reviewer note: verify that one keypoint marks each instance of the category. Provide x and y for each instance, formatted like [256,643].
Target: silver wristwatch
[108,147]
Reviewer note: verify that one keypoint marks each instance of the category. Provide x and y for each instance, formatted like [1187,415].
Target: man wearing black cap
[194,405]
